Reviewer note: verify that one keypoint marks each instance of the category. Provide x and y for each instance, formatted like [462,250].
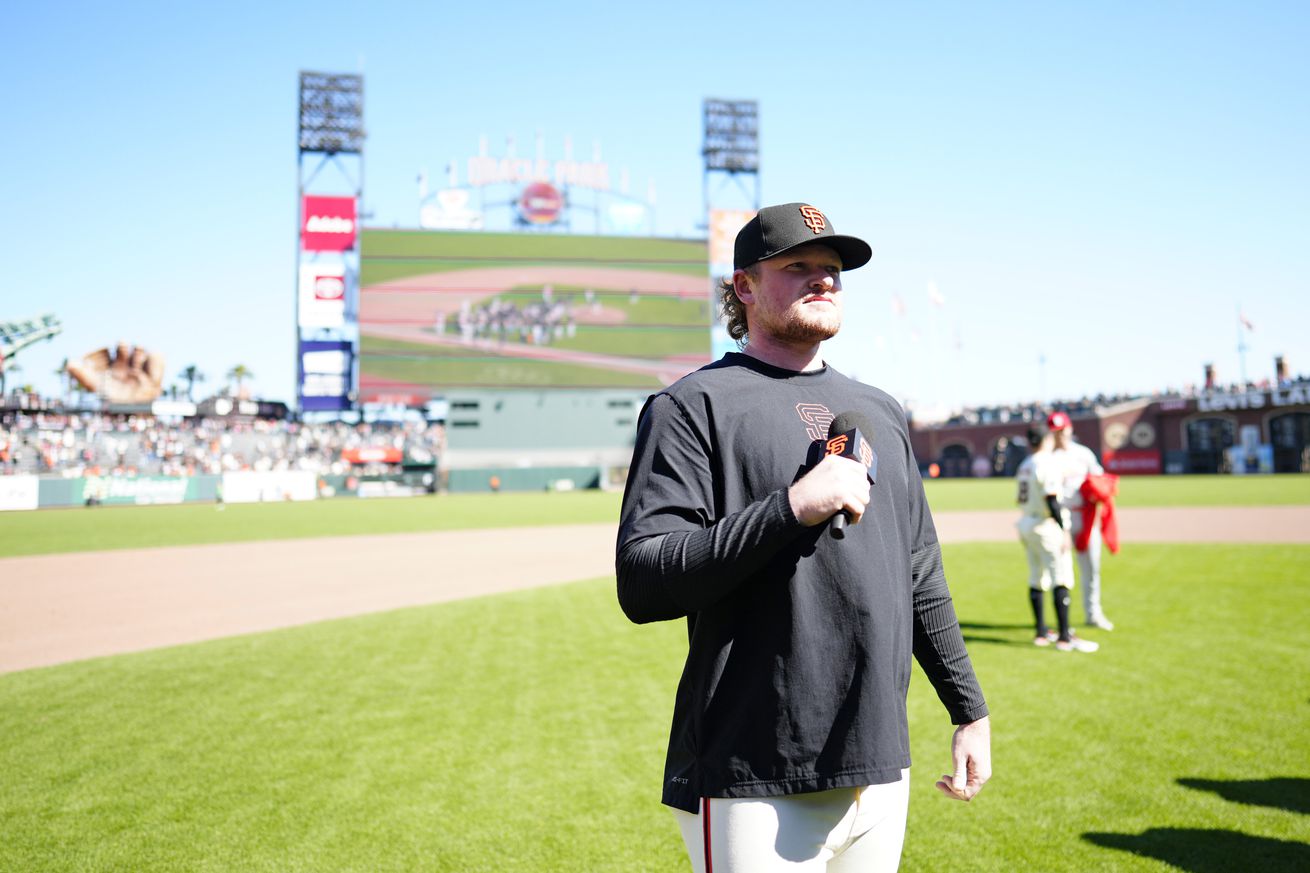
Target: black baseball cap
[777,229]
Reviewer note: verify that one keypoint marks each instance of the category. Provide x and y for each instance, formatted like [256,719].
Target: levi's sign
[327,224]
[1294,395]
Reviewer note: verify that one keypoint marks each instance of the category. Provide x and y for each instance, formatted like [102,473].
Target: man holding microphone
[789,744]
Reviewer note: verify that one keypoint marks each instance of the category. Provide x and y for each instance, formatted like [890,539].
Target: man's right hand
[835,483]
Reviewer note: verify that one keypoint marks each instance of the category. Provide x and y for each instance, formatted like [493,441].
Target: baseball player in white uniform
[1078,462]
[1044,532]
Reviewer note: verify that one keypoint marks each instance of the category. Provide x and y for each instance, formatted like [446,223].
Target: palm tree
[240,373]
[191,373]
[62,372]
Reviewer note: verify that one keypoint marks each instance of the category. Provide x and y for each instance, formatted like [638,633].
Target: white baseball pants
[843,830]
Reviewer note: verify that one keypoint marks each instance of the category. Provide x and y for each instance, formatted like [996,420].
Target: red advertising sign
[1130,462]
[322,294]
[329,287]
[327,224]
[371,454]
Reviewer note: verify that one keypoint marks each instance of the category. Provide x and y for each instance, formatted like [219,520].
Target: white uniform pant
[1049,563]
[1089,569]
[843,830]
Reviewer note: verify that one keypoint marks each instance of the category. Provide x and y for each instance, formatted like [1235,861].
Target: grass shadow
[968,628]
[1208,851]
[1285,792]
[999,641]
[982,625]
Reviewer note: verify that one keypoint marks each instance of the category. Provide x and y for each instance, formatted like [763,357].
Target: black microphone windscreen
[848,421]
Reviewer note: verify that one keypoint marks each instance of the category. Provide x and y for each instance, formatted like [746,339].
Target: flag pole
[1241,346]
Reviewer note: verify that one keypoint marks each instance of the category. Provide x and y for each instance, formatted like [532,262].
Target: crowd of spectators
[77,444]
[1026,412]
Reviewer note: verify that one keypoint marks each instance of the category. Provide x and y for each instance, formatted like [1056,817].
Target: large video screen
[455,309]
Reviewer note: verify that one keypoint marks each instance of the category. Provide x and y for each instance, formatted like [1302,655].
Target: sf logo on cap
[814,219]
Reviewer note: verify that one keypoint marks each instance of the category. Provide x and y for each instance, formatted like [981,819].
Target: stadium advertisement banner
[136,490]
[724,224]
[326,375]
[452,210]
[322,295]
[441,310]
[269,487]
[19,492]
[1134,462]
[327,224]
[373,455]
[1250,459]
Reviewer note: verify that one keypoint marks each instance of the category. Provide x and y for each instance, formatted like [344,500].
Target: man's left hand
[971,747]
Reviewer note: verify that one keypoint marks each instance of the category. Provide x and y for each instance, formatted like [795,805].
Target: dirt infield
[57,608]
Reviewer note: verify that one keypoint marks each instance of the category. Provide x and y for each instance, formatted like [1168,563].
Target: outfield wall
[27,492]
[46,492]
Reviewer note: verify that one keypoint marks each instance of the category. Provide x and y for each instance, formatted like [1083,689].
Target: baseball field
[447,684]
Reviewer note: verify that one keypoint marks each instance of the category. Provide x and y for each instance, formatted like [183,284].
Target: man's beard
[795,328]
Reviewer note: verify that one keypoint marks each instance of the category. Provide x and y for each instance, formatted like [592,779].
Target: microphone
[849,436]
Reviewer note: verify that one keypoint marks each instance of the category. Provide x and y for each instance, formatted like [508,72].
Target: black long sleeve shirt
[799,648]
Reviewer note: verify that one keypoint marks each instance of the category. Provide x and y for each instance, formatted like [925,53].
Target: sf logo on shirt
[817,419]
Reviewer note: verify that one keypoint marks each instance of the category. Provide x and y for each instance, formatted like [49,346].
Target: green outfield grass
[526,732]
[379,270]
[624,341]
[382,243]
[132,527]
[82,529]
[387,254]
[465,368]
[1282,490]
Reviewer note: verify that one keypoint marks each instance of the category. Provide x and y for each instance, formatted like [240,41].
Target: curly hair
[734,311]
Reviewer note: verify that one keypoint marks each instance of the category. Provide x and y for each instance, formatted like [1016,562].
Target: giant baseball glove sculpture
[125,376]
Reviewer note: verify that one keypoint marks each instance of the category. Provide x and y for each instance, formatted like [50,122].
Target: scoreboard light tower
[732,146]
[327,241]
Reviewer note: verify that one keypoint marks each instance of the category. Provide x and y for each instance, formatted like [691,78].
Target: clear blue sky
[1099,184]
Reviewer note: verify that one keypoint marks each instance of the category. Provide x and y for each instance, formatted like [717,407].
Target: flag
[1246,322]
[898,305]
[934,296]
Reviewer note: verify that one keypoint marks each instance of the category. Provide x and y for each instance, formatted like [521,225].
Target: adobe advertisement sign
[326,375]
[322,294]
[327,224]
